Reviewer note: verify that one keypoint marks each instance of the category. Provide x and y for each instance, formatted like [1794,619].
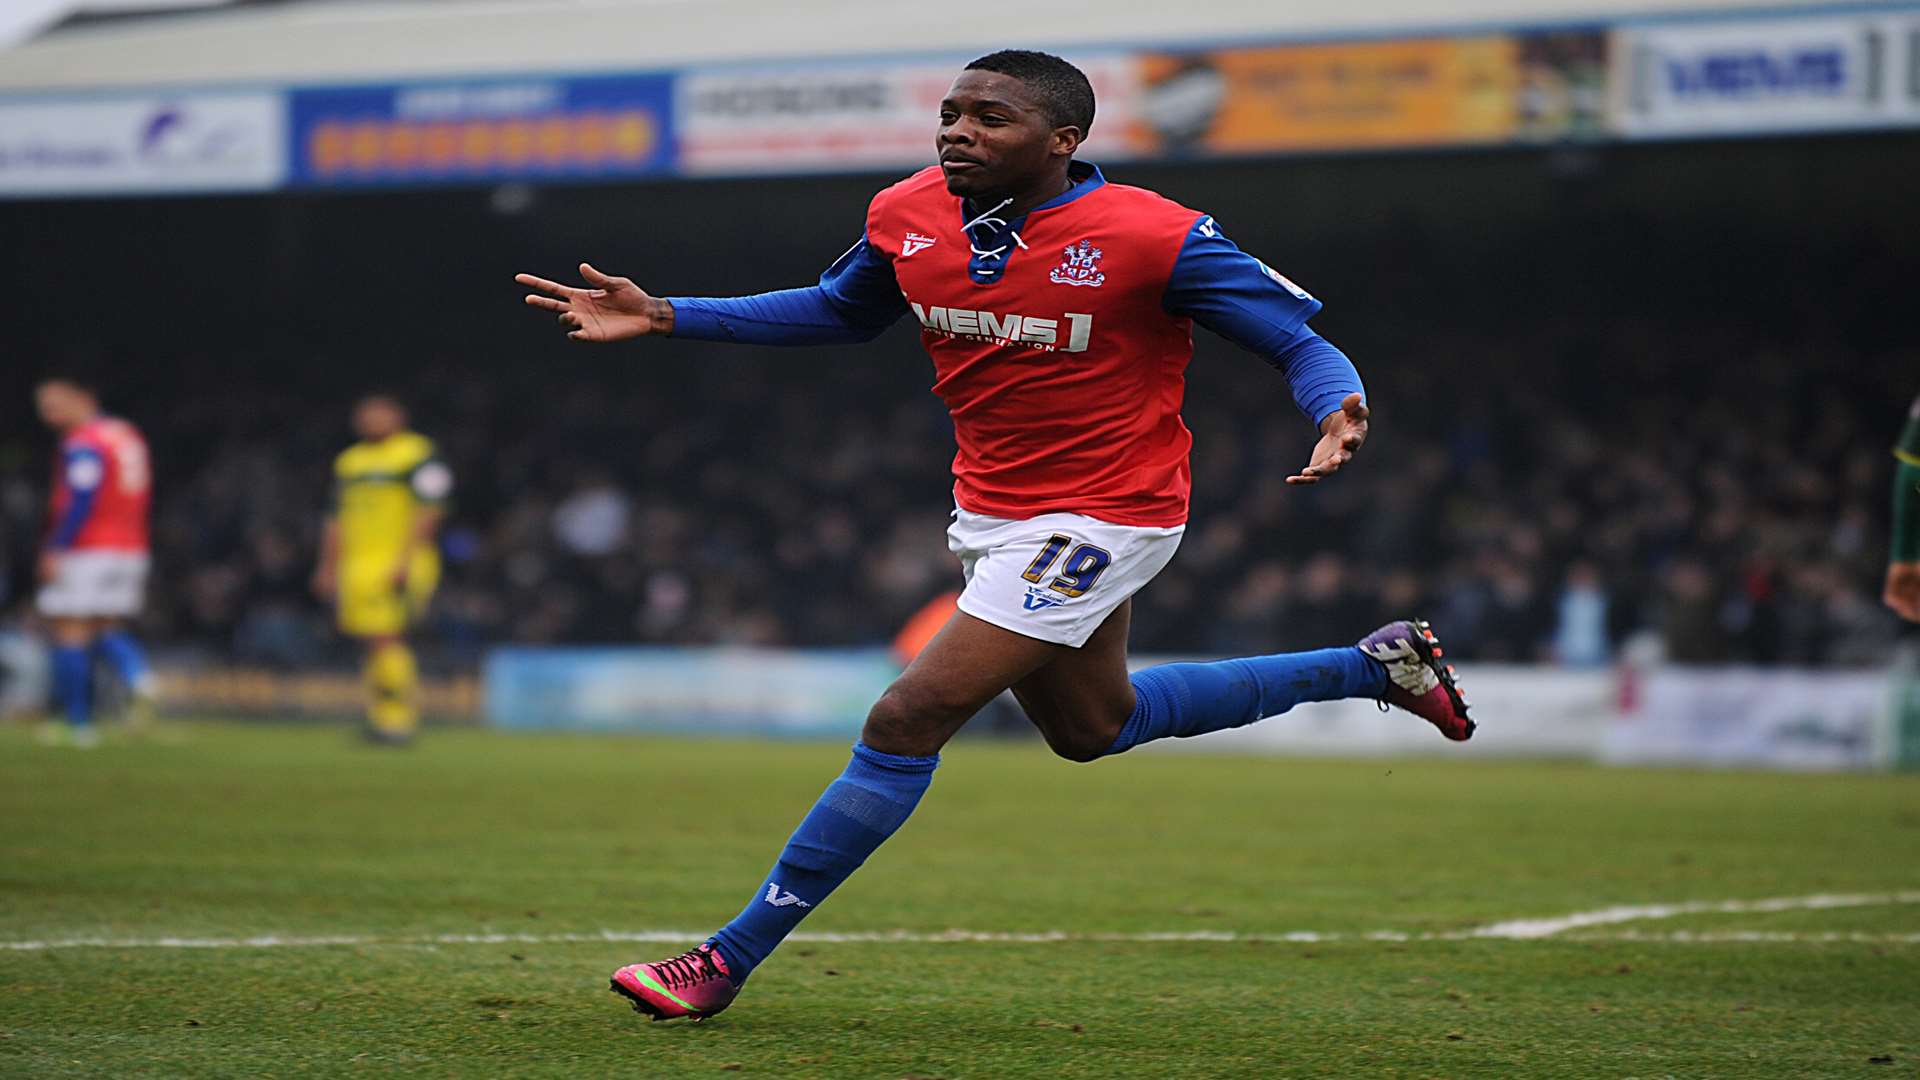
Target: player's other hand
[608,309]
[1341,434]
[1903,590]
[49,567]
[324,583]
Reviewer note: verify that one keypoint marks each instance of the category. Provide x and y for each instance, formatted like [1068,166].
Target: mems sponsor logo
[1009,328]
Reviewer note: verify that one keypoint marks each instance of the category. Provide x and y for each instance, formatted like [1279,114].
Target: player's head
[377,416]
[1010,120]
[65,402]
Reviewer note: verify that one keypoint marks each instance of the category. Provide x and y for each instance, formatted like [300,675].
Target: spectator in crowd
[1580,636]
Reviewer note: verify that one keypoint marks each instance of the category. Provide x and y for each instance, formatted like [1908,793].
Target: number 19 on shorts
[1082,567]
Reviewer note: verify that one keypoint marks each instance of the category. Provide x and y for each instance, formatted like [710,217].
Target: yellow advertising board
[1352,94]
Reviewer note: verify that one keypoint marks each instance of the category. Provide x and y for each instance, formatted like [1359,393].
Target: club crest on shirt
[1080,267]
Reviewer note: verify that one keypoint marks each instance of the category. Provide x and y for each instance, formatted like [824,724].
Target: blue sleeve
[856,299]
[84,470]
[1319,374]
[1254,306]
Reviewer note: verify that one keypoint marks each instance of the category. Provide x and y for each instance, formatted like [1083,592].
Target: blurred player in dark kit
[1903,558]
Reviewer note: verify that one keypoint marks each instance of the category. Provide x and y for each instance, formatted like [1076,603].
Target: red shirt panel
[1064,375]
[122,491]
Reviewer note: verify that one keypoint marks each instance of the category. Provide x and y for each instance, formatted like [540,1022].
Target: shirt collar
[1086,177]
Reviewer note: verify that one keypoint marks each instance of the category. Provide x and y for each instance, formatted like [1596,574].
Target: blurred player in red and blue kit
[1058,309]
[93,566]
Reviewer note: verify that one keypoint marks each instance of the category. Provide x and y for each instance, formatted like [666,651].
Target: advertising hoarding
[1251,100]
[822,693]
[1756,718]
[854,114]
[1761,75]
[486,130]
[142,144]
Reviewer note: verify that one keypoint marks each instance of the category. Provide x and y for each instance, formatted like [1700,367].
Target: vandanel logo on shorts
[1008,329]
[1039,599]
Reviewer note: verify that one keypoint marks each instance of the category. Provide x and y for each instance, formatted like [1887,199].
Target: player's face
[62,407]
[994,137]
[377,418]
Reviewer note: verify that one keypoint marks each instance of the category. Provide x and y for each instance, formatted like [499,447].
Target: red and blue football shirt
[1060,339]
[102,487]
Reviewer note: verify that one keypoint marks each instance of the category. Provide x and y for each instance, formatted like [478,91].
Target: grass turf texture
[237,831]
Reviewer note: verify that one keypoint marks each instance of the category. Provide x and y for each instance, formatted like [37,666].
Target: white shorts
[96,584]
[1055,577]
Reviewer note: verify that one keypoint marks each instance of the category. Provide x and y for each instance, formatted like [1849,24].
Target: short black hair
[1063,89]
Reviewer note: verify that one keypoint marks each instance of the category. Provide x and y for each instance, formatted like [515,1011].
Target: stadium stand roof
[323,40]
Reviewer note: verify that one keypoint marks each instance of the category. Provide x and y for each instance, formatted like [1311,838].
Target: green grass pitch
[231,832]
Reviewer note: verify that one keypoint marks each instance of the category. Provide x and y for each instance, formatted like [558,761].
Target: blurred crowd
[1543,497]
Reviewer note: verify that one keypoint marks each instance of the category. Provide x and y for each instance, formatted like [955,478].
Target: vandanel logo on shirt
[1008,329]
[915,243]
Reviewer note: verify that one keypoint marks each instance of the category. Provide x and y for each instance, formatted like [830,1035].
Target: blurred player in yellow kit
[378,560]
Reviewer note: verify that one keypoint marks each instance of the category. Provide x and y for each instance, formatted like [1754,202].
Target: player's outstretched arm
[856,299]
[1341,434]
[608,309]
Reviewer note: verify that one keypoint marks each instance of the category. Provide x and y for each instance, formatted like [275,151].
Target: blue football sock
[73,682]
[854,816]
[122,650]
[1179,701]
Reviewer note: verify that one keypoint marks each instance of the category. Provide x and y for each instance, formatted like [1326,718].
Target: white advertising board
[1765,75]
[854,114]
[1756,718]
[1688,716]
[153,143]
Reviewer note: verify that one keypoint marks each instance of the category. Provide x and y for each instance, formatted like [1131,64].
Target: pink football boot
[694,984]
[1416,680]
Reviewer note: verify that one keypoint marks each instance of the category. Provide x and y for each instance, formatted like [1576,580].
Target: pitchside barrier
[1745,717]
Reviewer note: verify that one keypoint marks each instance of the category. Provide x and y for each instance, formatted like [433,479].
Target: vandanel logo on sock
[782,899]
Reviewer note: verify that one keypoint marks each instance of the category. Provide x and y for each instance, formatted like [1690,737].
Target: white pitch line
[1683,937]
[1522,929]
[1512,930]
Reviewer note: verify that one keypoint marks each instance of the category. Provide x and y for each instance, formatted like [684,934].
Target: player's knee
[908,719]
[1086,737]
[1083,745]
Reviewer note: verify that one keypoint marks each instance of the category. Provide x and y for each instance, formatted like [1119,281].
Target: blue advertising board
[788,693]
[483,130]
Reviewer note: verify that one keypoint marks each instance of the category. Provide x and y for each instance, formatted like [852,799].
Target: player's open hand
[1341,434]
[1903,590]
[609,309]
